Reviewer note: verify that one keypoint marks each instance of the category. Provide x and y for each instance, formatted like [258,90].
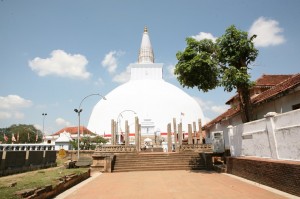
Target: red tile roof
[266,81]
[227,114]
[278,90]
[288,82]
[74,130]
[270,80]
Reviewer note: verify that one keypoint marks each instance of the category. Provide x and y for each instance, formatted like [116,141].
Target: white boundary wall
[277,136]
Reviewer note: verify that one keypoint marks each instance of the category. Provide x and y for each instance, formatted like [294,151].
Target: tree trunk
[245,104]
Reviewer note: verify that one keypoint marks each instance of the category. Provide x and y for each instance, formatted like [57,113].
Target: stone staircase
[158,162]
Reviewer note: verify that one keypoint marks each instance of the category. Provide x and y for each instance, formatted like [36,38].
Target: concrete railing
[196,147]
[132,148]
[17,158]
[116,148]
[27,147]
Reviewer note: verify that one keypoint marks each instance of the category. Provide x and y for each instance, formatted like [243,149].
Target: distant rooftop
[270,80]
[279,85]
[74,130]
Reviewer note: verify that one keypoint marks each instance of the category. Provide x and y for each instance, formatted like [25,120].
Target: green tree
[88,143]
[207,65]
[74,144]
[23,133]
[99,140]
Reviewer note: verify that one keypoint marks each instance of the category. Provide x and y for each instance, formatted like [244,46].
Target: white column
[190,137]
[200,130]
[271,134]
[169,138]
[175,133]
[230,137]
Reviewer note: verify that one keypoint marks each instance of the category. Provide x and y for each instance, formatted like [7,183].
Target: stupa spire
[146,55]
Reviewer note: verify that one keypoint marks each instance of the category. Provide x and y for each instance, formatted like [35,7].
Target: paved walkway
[169,184]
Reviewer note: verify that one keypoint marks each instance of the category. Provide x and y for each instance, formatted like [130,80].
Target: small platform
[84,162]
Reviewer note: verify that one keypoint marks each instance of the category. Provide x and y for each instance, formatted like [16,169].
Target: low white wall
[275,136]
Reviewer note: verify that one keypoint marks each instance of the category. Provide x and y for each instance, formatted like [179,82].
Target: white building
[271,93]
[146,95]
[61,139]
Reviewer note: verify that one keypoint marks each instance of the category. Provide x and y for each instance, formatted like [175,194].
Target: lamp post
[118,123]
[44,115]
[78,111]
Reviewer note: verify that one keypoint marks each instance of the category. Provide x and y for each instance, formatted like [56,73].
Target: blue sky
[54,53]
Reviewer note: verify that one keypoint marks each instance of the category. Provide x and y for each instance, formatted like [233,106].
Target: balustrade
[196,147]
[27,147]
[116,148]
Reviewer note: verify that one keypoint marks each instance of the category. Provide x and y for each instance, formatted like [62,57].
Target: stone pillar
[180,134]
[194,133]
[194,129]
[271,134]
[169,138]
[230,138]
[136,134]
[200,131]
[116,133]
[140,135]
[44,157]
[175,133]
[190,138]
[2,166]
[112,132]
[126,133]
[27,158]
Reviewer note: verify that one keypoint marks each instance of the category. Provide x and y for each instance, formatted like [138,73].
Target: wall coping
[291,162]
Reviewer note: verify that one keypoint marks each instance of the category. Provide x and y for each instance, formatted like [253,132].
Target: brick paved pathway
[168,184]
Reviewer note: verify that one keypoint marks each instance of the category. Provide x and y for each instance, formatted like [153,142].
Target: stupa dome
[146,95]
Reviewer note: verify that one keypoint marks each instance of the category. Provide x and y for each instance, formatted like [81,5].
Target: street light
[78,111]
[44,115]
[118,123]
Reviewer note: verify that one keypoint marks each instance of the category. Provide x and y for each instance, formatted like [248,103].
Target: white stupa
[146,95]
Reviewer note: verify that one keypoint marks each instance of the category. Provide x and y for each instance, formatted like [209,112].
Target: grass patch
[33,179]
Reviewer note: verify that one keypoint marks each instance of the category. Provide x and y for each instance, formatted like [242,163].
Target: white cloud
[110,61]
[5,115]
[18,115]
[268,32]
[210,110]
[14,102]
[61,64]
[99,82]
[11,104]
[204,35]
[123,76]
[170,71]
[219,109]
[47,129]
[203,104]
[62,122]
[11,115]
[39,127]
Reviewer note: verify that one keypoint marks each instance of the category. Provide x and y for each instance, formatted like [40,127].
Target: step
[157,169]
[158,162]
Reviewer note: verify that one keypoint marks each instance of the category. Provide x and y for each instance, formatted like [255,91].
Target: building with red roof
[74,131]
[62,138]
[271,93]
